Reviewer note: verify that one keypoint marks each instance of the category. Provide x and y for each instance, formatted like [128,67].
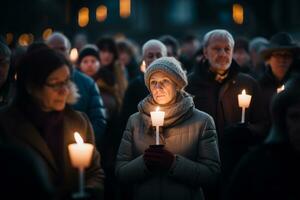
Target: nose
[158,85]
[64,89]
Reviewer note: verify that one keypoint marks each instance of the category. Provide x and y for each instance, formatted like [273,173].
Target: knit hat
[171,67]
[88,50]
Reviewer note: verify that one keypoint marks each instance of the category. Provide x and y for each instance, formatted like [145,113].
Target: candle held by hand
[157,118]
[244,102]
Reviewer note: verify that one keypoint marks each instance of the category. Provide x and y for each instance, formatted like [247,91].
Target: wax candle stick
[244,102]
[157,118]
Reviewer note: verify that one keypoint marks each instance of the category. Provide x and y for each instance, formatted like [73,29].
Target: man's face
[151,54]
[281,60]
[219,54]
[60,45]
[4,68]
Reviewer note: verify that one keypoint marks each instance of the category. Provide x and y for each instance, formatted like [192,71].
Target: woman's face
[106,57]
[89,65]
[162,88]
[53,95]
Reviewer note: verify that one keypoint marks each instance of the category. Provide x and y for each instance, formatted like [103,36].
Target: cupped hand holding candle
[80,152]
[157,118]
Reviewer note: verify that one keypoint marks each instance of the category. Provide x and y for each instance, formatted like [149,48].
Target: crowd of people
[205,150]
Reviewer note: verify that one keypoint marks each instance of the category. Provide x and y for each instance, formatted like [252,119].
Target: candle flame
[244,91]
[157,108]
[78,138]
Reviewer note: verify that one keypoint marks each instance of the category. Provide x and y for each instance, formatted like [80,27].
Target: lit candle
[73,55]
[81,156]
[280,89]
[244,102]
[157,118]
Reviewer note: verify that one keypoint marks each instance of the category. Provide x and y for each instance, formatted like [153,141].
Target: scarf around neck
[175,113]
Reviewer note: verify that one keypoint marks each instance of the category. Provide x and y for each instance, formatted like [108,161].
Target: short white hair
[218,33]
[154,43]
[59,36]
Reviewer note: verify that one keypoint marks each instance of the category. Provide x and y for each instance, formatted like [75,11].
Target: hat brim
[266,53]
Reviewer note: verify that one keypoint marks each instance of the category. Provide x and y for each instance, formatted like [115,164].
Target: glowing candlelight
[81,156]
[157,118]
[244,102]
[280,89]
[73,55]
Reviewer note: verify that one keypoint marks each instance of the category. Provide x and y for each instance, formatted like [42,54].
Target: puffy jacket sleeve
[96,111]
[129,168]
[206,168]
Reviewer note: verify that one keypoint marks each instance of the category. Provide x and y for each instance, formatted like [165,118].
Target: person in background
[90,101]
[188,159]
[127,58]
[271,170]
[241,54]
[216,83]
[189,45]
[256,45]
[172,45]
[7,84]
[46,123]
[280,56]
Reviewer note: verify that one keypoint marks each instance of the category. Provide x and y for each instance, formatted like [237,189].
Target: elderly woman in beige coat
[189,158]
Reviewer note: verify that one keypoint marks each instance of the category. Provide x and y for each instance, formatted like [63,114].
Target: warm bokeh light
[238,13]
[125,8]
[9,38]
[25,39]
[83,17]
[47,32]
[143,67]
[101,13]
[74,55]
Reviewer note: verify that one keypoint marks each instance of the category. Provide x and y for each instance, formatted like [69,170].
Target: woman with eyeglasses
[40,119]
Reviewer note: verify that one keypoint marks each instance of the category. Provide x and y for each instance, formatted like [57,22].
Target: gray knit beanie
[171,67]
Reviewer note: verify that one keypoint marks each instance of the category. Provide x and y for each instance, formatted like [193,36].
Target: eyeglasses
[58,86]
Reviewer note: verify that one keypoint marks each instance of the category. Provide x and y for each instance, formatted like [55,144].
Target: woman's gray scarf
[175,113]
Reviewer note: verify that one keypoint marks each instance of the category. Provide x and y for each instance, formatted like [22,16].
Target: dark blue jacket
[90,102]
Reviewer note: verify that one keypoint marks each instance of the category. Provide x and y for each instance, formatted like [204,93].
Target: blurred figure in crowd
[280,56]
[271,170]
[90,101]
[111,79]
[241,54]
[7,85]
[256,45]
[173,49]
[189,45]
[188,159]
[127,58]
[46,123]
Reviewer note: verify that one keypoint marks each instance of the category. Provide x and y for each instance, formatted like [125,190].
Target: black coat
[220,100]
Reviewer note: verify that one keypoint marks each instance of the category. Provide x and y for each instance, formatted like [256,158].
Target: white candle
[244,102]
[81,156]
[280,89]
[73,55]
[157,118]
[80,152]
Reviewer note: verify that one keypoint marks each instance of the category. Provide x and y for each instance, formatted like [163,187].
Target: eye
[153,83]
[166,81]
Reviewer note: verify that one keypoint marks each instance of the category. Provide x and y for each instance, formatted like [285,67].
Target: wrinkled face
[89,65]
[4,68]
[281,60]
[106,57]
[60,45]
[293,125]
[241,56]
[219,54]
[53,95]
[152,53]
[162,88]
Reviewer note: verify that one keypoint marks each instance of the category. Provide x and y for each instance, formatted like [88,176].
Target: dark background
[149,18]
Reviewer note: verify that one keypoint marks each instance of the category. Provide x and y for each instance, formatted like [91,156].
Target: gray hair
[155,43]
[217,33]
[257,44]
[59,36]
